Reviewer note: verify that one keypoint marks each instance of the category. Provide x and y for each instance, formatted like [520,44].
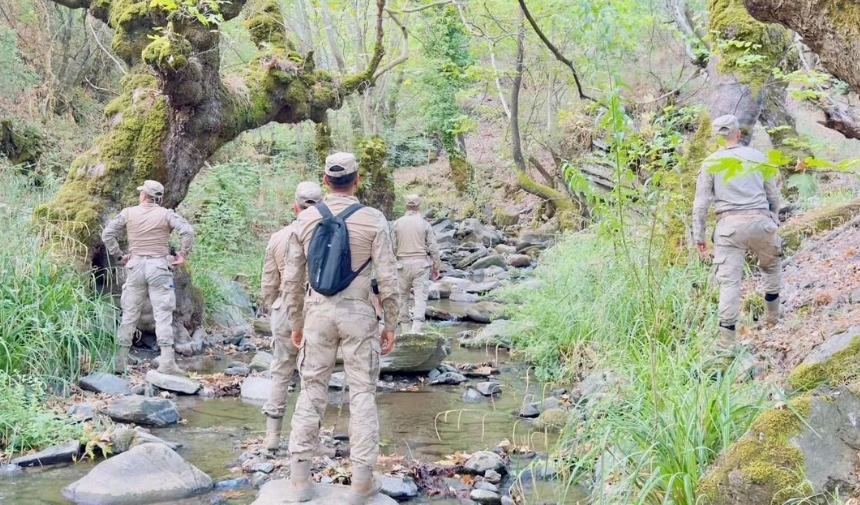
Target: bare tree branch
[560,57]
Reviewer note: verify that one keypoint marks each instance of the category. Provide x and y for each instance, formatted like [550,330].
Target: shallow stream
[427,424]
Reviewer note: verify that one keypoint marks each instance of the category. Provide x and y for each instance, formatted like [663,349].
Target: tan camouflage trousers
[413,276]
[733,238]
[348,323]
[150,277]
[283,361]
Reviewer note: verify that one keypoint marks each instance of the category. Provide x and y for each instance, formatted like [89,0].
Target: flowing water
[427,424]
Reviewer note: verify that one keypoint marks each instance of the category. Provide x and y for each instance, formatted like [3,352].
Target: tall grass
[51,322]
[667,413]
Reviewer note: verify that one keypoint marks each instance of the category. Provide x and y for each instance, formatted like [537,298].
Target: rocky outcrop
[148,473]
[484,312]
[277,492]
[834,361]
[805,448]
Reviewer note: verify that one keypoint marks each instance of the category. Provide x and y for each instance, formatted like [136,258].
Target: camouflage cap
[726,125]
[341,164]
[413,200]
[308,193]
[152,188]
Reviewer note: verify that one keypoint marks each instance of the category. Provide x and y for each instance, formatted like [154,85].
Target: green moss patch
[815,222]
[763,463]
[841,368]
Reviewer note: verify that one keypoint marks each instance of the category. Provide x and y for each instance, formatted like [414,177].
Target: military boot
[120,363]
[417,326]
[167,363]
[363,486]
[771,311]
[273,433]
[404,328]
[300,479]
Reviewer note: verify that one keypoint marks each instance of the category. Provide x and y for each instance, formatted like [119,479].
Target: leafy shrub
[25,422]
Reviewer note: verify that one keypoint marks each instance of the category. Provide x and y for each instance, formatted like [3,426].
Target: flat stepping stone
[278,492]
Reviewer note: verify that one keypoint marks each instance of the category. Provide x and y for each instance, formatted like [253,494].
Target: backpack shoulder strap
[352,209]
[323,208]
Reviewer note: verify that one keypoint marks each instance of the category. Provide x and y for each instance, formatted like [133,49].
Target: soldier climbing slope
[271,287]
[746,206]
[334,244]
[417,262]
[148,266]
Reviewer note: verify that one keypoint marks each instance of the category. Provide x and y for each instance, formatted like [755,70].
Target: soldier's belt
[348,293]
[750,212]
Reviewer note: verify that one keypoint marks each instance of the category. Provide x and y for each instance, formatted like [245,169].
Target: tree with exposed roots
[176,109]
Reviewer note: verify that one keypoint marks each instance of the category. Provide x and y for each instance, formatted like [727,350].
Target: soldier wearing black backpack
[335,242]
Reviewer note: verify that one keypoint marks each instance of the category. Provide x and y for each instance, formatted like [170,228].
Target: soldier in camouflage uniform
[747,209]
[347,320]
[284,361]
[148,266]
[417,261]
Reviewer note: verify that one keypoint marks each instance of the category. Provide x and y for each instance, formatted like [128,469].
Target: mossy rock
[790,452]
[814,222]
[503,217]
[835,362]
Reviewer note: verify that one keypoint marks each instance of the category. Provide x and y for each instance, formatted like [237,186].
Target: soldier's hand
[703,250]
[124,259]
[434,275]
[180,260]
[297,336]
[387,341]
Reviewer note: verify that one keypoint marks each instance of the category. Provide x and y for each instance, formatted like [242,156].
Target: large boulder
[236,308]
[506,216]
[482,462]
[413,353]
[472,230]
[837,359]
[262,361]
[444,225]
[256,388]
[493,260]
[172,383]
[148,473]
[518,260]
[142,410]
[484,312]
[105,383]
[784,456]
[277,492]
[472,258]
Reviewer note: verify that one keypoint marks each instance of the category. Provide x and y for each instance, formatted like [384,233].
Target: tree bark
[175,111]
[831,28]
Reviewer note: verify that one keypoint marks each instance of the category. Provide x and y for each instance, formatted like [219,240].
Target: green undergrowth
[603,304]
[51,323]
[25,422]
[234,208]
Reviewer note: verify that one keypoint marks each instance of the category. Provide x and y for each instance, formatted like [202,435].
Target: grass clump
[51,322]
[604,304]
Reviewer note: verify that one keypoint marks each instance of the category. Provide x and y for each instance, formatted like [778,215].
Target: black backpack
[329,257]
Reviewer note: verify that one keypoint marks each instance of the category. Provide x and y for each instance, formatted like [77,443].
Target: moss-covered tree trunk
[175,110]
[376,188]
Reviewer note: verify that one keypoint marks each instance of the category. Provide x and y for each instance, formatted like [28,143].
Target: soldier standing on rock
[148,266]
[334,244]
[284,361]
[747,206]
[417,262]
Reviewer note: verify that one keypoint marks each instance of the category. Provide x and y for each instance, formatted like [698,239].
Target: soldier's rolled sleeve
[186,233]
[771,189]
[702,203]
[293,283]
[433,248]
[384,263]
[270,281]
[109,234]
